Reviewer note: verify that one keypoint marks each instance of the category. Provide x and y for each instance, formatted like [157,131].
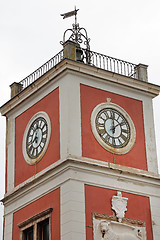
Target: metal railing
[109,63]
[42,70]
[87,57]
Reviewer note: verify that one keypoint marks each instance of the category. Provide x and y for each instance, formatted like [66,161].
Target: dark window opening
[28,234]
[43,230]
[38,227]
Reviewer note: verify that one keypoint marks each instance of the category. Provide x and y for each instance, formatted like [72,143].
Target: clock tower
[81,156]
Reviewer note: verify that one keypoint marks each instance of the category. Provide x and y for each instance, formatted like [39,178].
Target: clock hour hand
[36,138]
[112,128]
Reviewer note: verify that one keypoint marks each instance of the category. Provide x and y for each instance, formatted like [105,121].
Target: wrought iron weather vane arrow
[70,14]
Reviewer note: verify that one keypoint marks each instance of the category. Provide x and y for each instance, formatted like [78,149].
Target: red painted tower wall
[135,158]
[51,200]
[50,105]
[98,200]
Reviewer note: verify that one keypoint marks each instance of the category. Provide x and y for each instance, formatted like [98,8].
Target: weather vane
[70,14]
[78,34]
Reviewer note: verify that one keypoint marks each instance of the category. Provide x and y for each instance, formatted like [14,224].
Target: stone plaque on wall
[116,226]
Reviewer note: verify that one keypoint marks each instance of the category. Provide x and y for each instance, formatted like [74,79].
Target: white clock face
[113,128]
[36,138]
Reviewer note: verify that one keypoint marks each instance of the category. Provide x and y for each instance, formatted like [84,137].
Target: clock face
[113,128]
[36,138]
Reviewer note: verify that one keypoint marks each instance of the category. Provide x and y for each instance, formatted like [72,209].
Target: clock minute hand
[116,125]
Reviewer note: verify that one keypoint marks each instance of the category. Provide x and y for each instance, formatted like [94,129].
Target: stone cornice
[122,173]
[99,74]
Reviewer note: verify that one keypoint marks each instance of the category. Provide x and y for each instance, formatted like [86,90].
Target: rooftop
[73,39]
[84,56]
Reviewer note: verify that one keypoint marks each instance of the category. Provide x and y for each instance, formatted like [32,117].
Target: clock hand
[36,138]
[112,128]
[116,125]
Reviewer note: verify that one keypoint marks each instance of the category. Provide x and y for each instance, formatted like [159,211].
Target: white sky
[30,32]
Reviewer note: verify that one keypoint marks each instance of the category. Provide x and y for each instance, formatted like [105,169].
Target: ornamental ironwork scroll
[78,35]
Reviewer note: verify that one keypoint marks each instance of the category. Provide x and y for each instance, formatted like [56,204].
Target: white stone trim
[87,171]
[150,140]
[50,78]
[73,211]
[155,216]
[119,205]
[8,226]
[66,64]
[70,116]
[38,95]
[10,154]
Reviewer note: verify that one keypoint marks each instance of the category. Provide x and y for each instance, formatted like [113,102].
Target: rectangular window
[37,227]
[43,230]
[28,234]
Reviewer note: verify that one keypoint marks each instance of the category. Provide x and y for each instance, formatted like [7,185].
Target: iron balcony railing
[109,63]
[87,57]
[42,70]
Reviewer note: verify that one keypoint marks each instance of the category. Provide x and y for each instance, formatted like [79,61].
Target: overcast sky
[30,32]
